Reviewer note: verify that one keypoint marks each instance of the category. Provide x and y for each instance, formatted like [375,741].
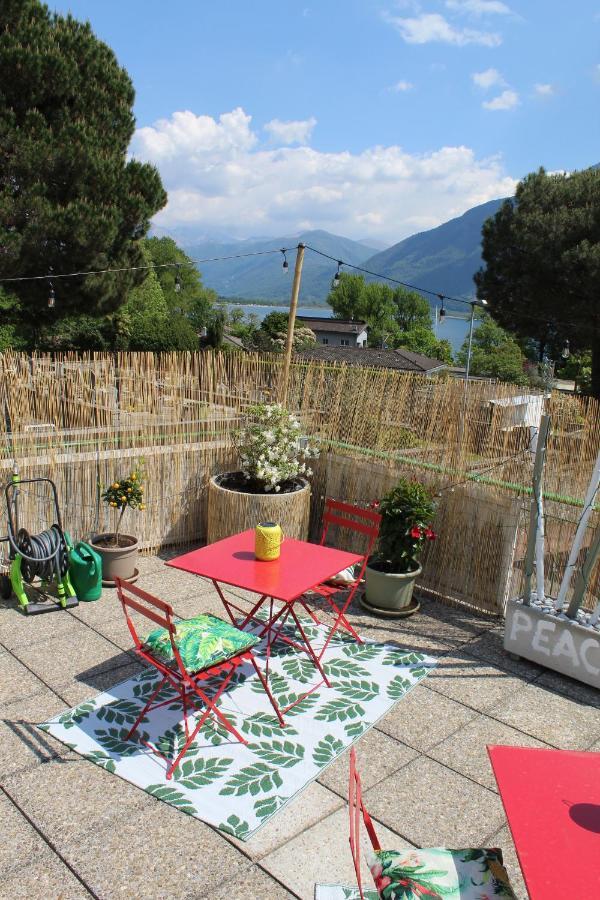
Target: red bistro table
[300,567]
[552,803]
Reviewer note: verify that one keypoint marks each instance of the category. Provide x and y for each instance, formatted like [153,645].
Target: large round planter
[389,593]
[117,561]
[231,511]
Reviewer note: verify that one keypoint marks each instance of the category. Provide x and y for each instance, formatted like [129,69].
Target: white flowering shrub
[270,446]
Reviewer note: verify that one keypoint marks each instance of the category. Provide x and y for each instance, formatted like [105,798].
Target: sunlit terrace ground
[71,829]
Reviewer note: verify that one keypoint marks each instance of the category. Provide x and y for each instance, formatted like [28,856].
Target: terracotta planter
[231,511]
[390,593]
[117,561]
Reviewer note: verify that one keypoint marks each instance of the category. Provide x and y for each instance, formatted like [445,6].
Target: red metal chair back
[353,518]
[159,612]
[357,811]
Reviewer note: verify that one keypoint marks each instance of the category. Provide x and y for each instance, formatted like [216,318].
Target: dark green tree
[412,310]
[542,263]
[421,339]
[216,330]
[193,300]
[495,353]
[271,336]
[69,198]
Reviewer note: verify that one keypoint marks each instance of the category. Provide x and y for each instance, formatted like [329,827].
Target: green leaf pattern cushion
[202,641]
[439,874]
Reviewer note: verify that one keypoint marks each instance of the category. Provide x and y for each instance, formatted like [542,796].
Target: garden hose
[43,555]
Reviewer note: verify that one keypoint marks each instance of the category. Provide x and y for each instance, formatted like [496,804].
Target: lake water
[453,330]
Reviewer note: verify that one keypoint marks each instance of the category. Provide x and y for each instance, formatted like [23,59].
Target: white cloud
[402,86]
[544,90]
[297,132]
[220,178]
[432,27]
[488,79]
[505,100]
[479,7]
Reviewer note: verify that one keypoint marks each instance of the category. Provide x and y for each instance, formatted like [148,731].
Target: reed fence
[85,420]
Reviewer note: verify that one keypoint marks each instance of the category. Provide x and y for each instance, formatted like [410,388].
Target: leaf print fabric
[202,642]
[440,874]
[238,787]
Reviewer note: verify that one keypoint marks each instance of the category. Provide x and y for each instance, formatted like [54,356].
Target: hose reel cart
[43,558]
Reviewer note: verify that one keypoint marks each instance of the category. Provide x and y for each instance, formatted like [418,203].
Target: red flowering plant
[406,516]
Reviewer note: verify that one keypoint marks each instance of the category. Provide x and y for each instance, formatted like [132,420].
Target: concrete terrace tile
[420,638]
[249,884]
[16,681]
[435,807]
[569,687]
[424,718]
[20,844]
[490,648]
[466,753]
[23,744]
[503,840]
[67,796]
[49,878]
[95,612]
[473,682]
[93,682]
[322,854]
[80,654]
[378,756]
[16,628]
[313,804]
[153,852]
[553,718]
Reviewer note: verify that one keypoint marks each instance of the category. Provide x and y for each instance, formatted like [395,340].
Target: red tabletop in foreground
[552,803]
[300,566]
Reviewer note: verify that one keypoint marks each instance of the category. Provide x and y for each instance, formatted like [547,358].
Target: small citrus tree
[123,494]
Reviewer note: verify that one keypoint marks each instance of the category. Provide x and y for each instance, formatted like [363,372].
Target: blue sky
[370,119]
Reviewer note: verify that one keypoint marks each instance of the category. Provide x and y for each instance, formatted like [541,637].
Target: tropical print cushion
[202,641]
[440,874]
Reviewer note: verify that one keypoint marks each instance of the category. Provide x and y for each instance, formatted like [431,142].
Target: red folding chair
[358,520]
[417,876]
[187,683]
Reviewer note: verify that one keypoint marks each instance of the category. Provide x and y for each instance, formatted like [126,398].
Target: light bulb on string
[177,281]
[285,265]
[336,277]
[442,312]
[566,350]
[51,292]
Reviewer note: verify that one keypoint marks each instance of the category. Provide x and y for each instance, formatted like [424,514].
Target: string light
[442,312]
[285,265]
[51,293]
[336,277]
[566,350]
[177,281]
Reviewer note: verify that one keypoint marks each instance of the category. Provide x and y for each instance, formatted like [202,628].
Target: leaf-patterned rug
[233,786]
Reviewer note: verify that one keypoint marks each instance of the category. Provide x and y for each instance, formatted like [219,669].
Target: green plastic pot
[390,591]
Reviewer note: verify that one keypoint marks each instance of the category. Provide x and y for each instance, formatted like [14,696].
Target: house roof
[404,360]
[338,326]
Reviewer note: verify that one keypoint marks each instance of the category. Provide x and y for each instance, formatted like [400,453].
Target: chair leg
[341,620]
[146,708]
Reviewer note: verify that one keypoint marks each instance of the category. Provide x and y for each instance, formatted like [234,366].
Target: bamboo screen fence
[85,420]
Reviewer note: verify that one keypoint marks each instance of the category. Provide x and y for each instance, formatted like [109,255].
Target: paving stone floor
[71,830]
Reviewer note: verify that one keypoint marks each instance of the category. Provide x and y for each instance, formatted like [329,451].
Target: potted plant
[119,551]
[271,483]
[406,516]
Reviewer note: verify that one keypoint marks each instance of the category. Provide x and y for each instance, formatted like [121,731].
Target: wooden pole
[289,344]
[538,473]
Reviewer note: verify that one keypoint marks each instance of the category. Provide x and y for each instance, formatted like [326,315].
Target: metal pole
[289,344]
[468,369]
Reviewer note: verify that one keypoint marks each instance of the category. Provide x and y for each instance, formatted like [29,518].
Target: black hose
[43,555]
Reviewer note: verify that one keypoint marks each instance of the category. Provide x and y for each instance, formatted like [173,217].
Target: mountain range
[443,260]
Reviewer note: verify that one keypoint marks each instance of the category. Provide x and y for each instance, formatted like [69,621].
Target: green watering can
[85,571]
